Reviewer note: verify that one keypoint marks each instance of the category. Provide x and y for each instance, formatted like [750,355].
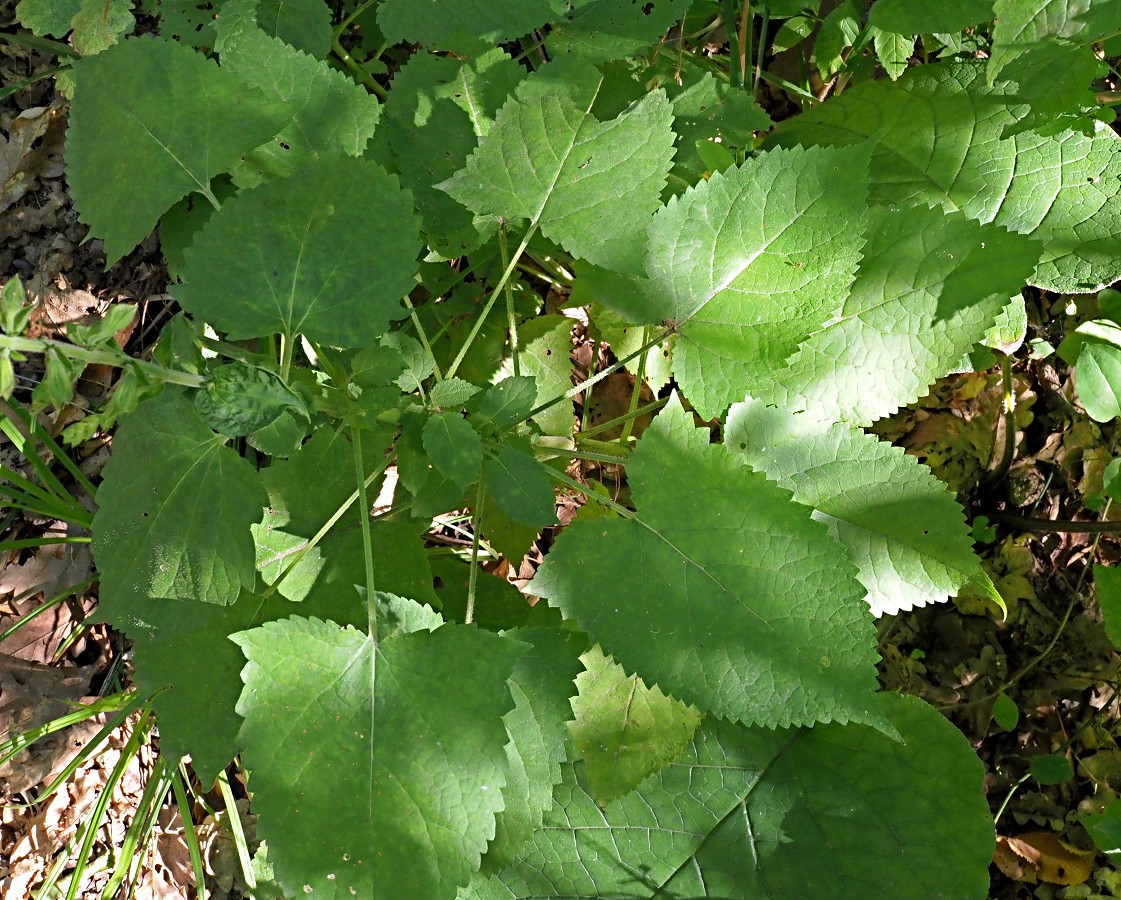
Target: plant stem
[619,420]
[473,577]
[733,41]
[1008,449]
[103,357]
[590,494]
[639,378]
[759,50]
[1054,526]
[454,367]
[367,542]
[511,321]
[598,377]
[287,350]
[423,338]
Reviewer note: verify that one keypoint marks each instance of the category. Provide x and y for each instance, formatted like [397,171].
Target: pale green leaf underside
[624,730]
[751,261]
[929,284]
[156,117]
[721,591]
[591,186]
[307,257]
[746,813]
[330,114]
[546,343]
[175,511]
[378,772]
[900,525]
[937,140]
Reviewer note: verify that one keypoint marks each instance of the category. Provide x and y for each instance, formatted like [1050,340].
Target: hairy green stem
[103,357]
[619,420]
[599,376]
[636,391]
[561,478]
[509,270]
[477,529]
[729,15]
[511,321]
[423,338]
[367,541]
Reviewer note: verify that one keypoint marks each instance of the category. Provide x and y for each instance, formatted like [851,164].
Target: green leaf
[750,262]
[331,115]
[238,399]
[1051,768]
[546,343]
[498,604]
[452,393]
[284,257]
[624,730]
[590,186]
[1105,827]
[754,813]
[462,25]
[542,682]
[601,30]
[100,23]
[1025,24]
[47,18]
[694,593]
[1057,81]
[378,767]
[1097,380]
[438,109]
[928,286]
[936,134]
[158,117]
[303,24]
[893,51]
[901,526]
[510,401]
[175,509]
[189,22]
[454,447]
[519,485]
[1006,713]
[929,16]
[1107,590]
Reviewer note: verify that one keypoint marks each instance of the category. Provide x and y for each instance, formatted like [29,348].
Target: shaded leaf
[694,593]
[462,25]
[454,447]
[520,486]
[1097,380]
[283,257]
[600,30]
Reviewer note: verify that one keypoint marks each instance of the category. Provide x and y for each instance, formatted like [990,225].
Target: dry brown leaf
[1042,856]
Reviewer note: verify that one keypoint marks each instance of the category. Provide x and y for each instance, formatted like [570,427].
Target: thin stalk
[327,526]
[287,351]
[103,357]
[1008,449]
[47,605]
[595,379]
[159,783]
[38,43]
[238,832]
[620,420]
[1008,797]
[608,458]
[729,10]
[509,270]
[367,542]
[357,69]
[593,339]
[745,37]
[190,836]
[34,432]
[1054,526]
[345,23]
[473,577]
[18,86]
[42,542]
[759,50]
[636,391]
[511,321]
[423,338]
[561,478]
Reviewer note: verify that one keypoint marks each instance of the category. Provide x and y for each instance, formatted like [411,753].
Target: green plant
[693,711]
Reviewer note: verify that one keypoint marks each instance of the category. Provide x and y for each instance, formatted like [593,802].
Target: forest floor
[1035,692]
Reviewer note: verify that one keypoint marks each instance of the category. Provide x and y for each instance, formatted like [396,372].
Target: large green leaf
[463,24]
[304,24]
[929,16]
[151,122]
[600,30]
[928,286]
[437,111]
[307,257]
[331,115]
[937,141]
[1022,25]
[546,343]
[695,593]
[624,730]
[751,261]
[378,767]
[175,509]
[541,684]
[590,186]
[901,526]
[743,814]
[1097,379]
